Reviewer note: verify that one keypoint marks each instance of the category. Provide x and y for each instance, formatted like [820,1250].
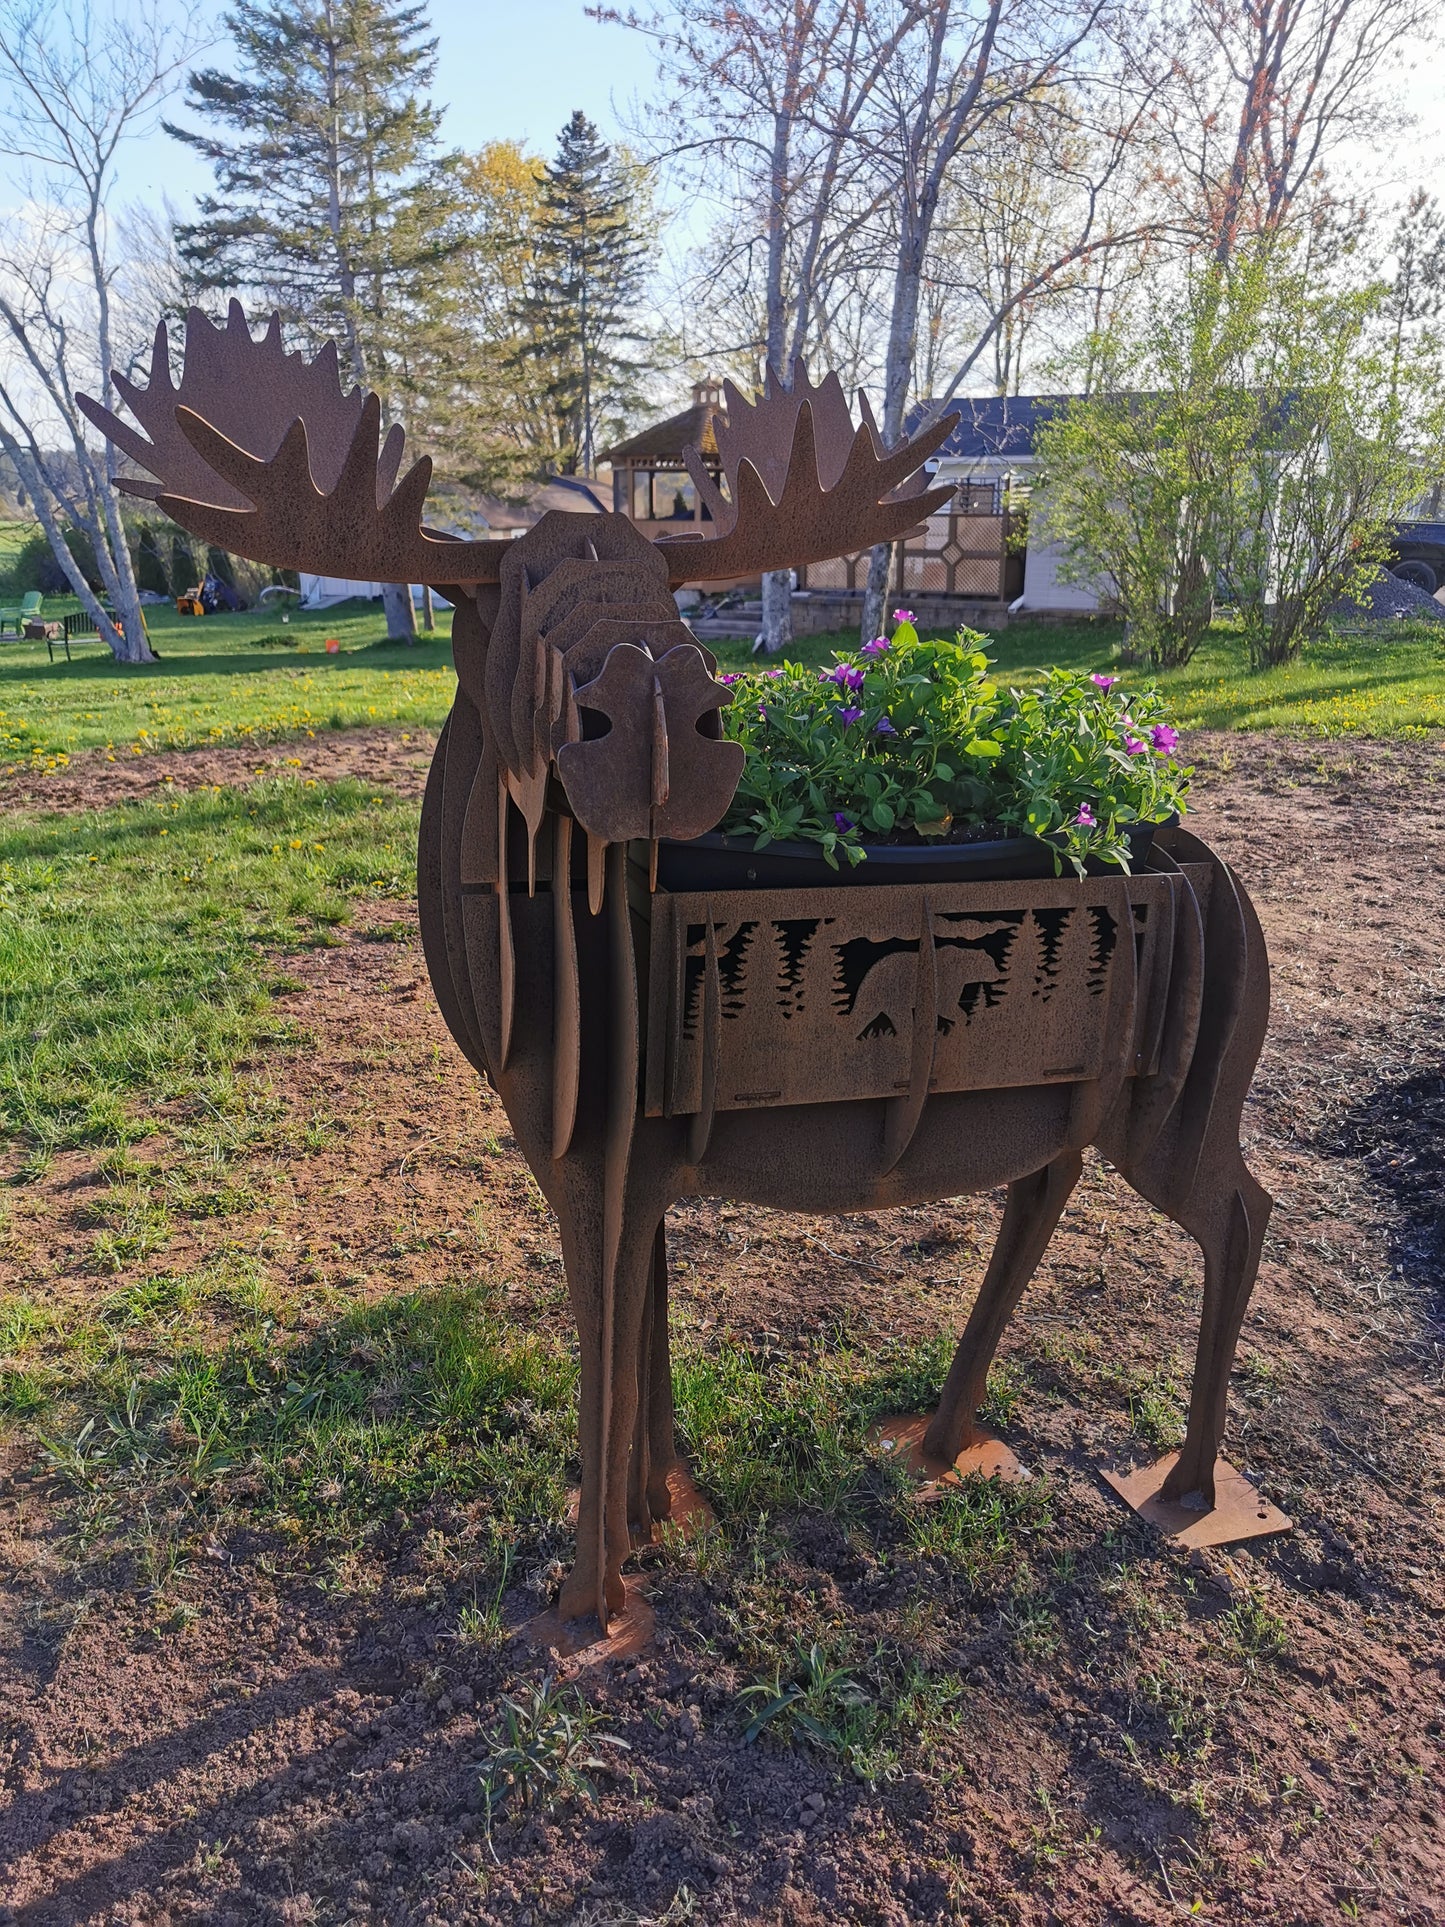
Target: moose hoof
[576,1642]
[1169,1498]
[902,1439]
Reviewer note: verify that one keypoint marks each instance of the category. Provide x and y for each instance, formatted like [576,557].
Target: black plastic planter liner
[715,862]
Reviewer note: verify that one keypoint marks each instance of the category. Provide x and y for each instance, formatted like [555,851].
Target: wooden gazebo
[650,484]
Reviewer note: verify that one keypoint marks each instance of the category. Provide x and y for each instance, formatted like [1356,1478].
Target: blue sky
[505,71]
[515,69]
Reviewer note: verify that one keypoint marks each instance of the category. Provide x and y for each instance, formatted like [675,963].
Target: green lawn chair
[28,611]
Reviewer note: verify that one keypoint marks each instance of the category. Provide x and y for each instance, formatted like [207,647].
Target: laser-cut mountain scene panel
[823,1007]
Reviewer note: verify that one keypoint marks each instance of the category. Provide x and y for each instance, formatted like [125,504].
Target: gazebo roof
[665,441]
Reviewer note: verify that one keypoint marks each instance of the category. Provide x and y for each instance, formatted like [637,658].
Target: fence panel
[959,551]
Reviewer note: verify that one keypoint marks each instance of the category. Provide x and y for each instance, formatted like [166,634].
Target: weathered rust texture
[831,1049]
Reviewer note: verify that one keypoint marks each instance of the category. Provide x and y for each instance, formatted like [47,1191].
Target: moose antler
[265,454]
[803,483]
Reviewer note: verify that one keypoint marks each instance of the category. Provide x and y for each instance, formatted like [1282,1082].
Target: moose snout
[662,767]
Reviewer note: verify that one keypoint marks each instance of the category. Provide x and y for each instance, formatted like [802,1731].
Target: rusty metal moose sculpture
[820,1049]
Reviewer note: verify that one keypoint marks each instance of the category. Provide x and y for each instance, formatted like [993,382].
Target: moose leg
[610,1323]
[1228,1223]
[654,1450]
[1035,1205]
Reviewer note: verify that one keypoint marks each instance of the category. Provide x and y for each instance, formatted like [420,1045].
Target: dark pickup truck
[1419,554]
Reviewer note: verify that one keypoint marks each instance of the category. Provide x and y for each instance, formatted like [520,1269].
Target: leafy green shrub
[150,568]
[914,742]
[35,566]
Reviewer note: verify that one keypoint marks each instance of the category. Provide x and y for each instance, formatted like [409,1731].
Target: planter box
[761,998]
[716,862]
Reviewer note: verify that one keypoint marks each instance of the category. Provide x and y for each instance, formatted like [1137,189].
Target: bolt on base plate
[1238,1512]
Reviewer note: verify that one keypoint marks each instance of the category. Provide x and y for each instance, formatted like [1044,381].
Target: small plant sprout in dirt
[544,1751]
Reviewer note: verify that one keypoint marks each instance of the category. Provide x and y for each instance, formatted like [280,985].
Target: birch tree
[75,84]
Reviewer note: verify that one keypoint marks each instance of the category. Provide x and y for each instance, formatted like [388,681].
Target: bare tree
[962,75]
[75,83]
[1266,90]
[764,101]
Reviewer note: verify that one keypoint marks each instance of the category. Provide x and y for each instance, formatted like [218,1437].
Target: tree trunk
[777,630]
[428,608]
[400,615]
[875,595]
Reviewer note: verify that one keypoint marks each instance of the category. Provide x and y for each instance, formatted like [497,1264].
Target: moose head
[590,683]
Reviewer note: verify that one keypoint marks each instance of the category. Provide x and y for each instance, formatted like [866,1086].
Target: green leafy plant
[819,1702]
[913,742]
[544,1751]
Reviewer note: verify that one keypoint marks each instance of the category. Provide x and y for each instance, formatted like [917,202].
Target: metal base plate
[1238,1512]
[690,1510]
[577,1645]
[900,1436]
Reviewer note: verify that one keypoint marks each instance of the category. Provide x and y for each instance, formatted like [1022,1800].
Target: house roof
[992,425]
[578,493]
[691,429]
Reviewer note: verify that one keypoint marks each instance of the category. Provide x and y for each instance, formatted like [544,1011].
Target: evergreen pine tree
[580,315]
[333,202]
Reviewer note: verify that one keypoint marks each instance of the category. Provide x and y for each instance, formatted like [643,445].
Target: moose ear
[654,773]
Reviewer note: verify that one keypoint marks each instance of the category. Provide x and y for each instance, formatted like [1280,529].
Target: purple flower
[903,615]
[1164,738]
[1103,682]
[1134,746]
[877,646]
[762,713]
[846,676]
[883,727]
[1086,819]
[849,715]
[774,675]
[843,823]
[728,680]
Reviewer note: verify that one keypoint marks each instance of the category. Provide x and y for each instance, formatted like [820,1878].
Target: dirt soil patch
[96,779]
[1134,1736]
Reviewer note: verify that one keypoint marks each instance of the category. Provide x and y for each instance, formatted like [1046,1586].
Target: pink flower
[876,647]
[1164,738]
[728,680]
[774,675]
[1103,682]
[903,615]
[1134,746]
[1086,819]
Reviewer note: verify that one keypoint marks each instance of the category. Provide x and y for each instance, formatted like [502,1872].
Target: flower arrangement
[914,742]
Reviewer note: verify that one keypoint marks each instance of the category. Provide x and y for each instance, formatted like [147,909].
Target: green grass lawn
[133,941]
[251,678]
[221,679]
